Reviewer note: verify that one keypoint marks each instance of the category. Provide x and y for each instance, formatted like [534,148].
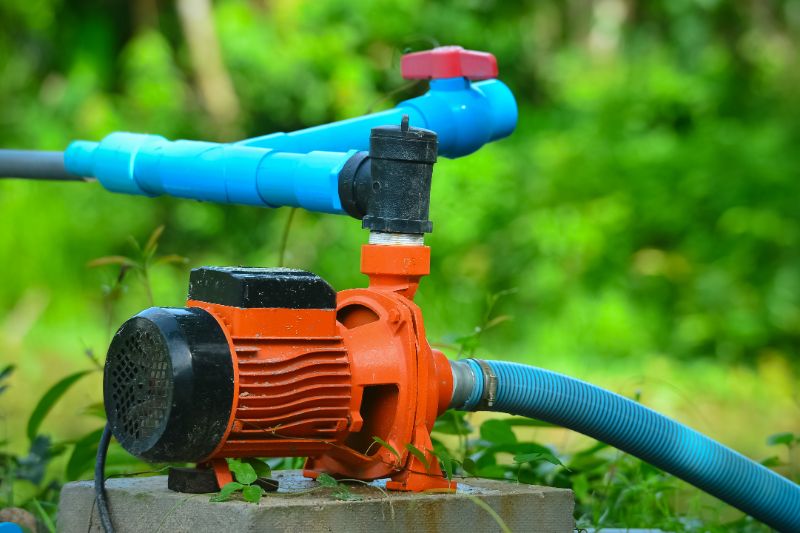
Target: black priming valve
[390,187]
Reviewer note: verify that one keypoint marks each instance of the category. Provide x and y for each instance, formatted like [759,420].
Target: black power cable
[35,165]
[100,481]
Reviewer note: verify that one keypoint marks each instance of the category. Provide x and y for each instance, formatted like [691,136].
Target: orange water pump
[274,362]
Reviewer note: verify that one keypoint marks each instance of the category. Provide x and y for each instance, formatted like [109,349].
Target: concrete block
[300,505]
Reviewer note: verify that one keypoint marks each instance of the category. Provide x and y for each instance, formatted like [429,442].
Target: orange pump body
[323,383]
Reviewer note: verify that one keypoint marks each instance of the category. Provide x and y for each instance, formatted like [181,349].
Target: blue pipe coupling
[150,165]
[633,428]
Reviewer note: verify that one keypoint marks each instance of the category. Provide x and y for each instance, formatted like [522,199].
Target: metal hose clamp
[489,395]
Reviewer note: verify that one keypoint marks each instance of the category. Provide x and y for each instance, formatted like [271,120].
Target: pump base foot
[192,480]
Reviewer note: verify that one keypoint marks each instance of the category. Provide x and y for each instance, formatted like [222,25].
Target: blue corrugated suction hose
[633,428]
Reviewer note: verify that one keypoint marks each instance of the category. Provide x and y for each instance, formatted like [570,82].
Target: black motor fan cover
[168,384]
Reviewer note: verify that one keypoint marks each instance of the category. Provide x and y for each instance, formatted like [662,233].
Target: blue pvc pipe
[298,169]
[635,429]
[150,165]
[464,115]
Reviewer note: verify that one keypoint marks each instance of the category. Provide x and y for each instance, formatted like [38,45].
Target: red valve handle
[449,62]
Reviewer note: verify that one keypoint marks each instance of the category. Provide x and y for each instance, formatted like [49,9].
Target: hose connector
[474,385]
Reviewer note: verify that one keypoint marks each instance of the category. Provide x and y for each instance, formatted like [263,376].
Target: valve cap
[449,62]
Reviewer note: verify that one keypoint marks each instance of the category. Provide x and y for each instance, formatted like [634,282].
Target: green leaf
[772,462]
[48,522]
[416,452]
[252,493]
[452,423]
[785,438]
[519,421]
[492,472]
[538,457]
[243,472]
[135,244]
[262,469]
[96,409]
[446,460]
[470,467]
[387,446]
[468,343]
[496,517]
[120,260]
[529,477]
[327,481]
[496,321]
[172,259]
[498,431]
[515,448]
[83,455]
[49,399]
[6,372]
[588,463]
[227,491]
[152,243]
[34,466]
[343,493]
[447,466]
[581,486]
[486,457]
[591,450]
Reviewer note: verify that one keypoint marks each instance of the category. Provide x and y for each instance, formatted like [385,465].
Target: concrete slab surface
[144,504]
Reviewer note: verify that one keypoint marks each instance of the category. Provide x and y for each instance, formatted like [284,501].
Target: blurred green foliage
[646,204]
[644,213]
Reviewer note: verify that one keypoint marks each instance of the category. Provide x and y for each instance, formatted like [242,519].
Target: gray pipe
[35,165]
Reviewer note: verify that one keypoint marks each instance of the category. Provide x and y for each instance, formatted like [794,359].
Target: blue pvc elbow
[150,165]
[464,115]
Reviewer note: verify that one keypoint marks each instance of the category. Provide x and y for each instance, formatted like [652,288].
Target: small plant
[285,237]
[142,259]
[383,443]
[30,481]
[418,454]
[339,489]
[792,443]
[24,480]
[468,344]
[246,472]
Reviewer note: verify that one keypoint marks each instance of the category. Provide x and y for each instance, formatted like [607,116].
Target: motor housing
[274,363]
[168,384]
